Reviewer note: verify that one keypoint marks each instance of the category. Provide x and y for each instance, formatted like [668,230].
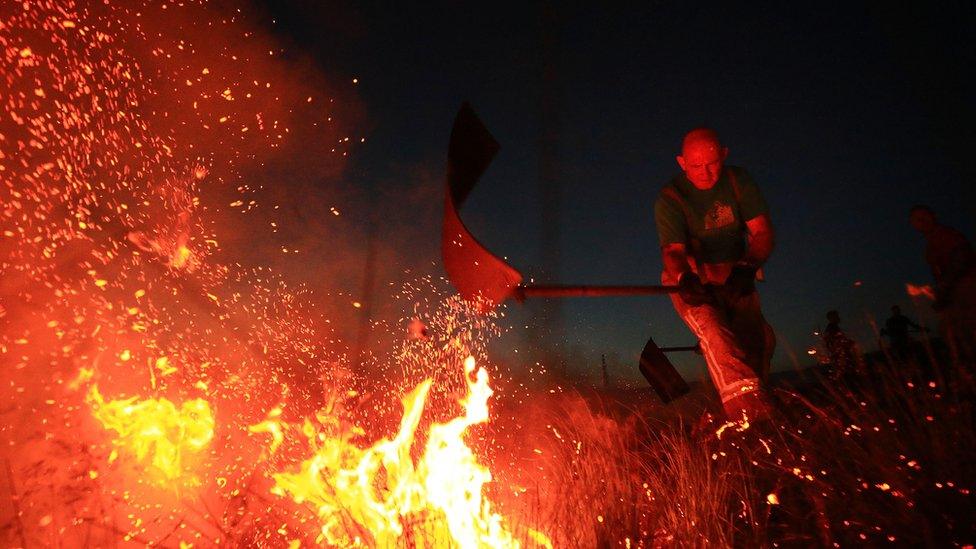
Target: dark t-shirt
[711,223]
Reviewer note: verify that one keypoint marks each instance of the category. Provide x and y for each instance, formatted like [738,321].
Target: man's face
[922,220]
[702,162]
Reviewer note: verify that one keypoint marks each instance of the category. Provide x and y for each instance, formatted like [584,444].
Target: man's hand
[692,291]
[742,280]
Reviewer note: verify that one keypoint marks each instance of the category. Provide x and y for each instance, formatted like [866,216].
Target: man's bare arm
[761,240]
[675,259]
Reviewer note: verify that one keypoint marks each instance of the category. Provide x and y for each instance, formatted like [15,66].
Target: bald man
[715,234]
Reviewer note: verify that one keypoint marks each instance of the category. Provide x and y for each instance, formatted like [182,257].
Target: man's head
[833,316]
[702,156]
[895,310]
[923,219]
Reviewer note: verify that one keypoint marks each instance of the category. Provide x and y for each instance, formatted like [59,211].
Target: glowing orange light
[920,291]
[180,257]
[154,430]
[380,490]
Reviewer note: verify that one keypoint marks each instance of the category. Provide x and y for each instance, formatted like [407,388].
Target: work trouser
[736,341]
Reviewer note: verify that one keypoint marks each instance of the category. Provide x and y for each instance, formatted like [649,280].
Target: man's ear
[681,161]
[725,153]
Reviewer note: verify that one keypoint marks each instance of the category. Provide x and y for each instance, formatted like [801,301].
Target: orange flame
[374,496]
[272,426]
[154,430]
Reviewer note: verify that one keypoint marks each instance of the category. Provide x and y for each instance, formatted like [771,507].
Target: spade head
[471,268]
[660,373]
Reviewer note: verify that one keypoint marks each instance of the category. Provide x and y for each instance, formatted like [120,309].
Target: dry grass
[610,480]
[881,457]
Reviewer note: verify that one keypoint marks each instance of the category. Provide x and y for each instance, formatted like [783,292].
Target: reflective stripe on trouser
[735,339]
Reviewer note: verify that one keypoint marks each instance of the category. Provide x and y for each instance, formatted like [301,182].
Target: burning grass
[229,412]
[880,457]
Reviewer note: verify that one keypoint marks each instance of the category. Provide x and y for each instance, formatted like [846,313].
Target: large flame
[380,496]
[154,430]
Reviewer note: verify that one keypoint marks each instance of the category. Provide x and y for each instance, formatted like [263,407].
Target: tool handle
[695,348]
[523,292]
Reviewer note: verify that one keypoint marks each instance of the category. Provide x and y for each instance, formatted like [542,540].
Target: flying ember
[116,281]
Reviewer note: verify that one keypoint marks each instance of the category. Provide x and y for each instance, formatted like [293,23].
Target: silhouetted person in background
[715,233]
[953,263]
[841,350]
[898,329]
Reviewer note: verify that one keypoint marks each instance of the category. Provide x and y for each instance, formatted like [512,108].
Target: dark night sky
[846,116]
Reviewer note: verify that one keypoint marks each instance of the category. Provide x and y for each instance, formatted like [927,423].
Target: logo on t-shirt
[719,216]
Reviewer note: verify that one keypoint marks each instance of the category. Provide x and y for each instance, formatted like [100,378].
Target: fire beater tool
[472,269]
[481,276]
[657,369]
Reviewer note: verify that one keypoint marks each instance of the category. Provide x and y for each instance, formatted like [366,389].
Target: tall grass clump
[879,456]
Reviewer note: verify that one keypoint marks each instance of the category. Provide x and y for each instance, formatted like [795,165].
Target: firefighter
[715,234]
[898,328]
[953,263]
[841,349]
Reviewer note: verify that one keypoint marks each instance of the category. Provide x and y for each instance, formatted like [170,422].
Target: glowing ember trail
[379,495]
[154,430]
[919,290]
